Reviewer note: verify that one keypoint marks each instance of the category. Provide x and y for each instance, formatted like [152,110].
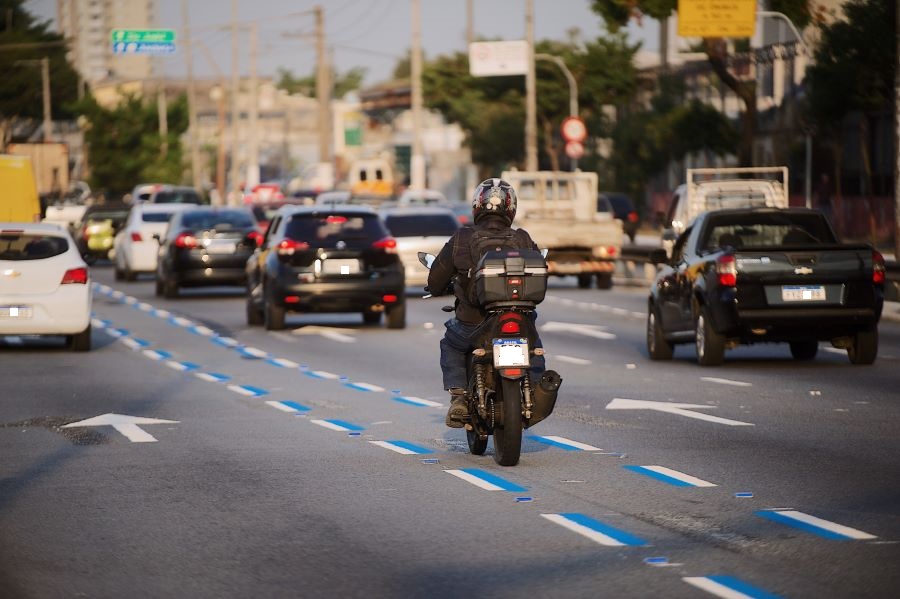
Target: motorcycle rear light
[510,326]
[77,276]
[388,244]
[292,299]
[726,269]
[186,240]
[514,372]
[288,246]
[878,274]
[389,298]
[135,236]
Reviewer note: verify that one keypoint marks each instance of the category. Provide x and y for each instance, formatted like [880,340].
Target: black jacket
[455,261]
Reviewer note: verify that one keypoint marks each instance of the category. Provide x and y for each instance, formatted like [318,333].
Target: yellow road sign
[716,18]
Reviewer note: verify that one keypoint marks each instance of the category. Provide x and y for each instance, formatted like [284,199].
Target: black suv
[205,246]
[337,258]
[623,210]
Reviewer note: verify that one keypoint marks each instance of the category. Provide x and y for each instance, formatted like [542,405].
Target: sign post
[143,41]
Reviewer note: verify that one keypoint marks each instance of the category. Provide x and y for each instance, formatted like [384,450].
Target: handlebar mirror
[426,259]
[544,253]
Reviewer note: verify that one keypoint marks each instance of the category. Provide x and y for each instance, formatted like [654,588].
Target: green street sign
[153,36]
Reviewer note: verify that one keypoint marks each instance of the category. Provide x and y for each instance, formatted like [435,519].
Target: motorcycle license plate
[510,353]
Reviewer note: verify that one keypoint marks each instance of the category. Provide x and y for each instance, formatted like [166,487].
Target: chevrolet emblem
[803,270]
[12,274]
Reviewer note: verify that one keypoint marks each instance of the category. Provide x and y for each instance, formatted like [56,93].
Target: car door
[256,265]
[674,288]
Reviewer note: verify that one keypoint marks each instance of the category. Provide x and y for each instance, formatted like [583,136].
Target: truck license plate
[803,293]
[510,353]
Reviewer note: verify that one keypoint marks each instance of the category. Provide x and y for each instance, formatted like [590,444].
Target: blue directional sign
[143,41]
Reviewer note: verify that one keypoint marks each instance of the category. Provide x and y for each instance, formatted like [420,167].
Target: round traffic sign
[573,129]
[574,149]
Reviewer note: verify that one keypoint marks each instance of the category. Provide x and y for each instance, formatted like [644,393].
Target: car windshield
[156,217]
[327,230]
[422,225]
[766,231]
[186,196]
[30,246]
[217,219]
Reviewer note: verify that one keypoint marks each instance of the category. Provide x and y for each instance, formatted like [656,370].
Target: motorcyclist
[493,207]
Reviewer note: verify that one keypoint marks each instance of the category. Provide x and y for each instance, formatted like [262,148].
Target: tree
[124,145]
[342,83]
[23,38]
[616,13]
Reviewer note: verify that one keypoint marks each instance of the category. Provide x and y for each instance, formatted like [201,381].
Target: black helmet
[494,196]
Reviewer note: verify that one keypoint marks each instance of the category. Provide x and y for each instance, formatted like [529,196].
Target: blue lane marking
[346,425]
[245,353]
[114,332]
[403,400]
[411,447]
[494,479]
[658,476]
[213,377]
[296,406]
[554,443]
[224,341]
[619,535]
[157,354]
[255,391]
[776,516]
[358,387]
[742,587]
[187,366]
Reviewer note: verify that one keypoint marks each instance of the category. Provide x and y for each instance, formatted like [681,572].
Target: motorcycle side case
[543,396]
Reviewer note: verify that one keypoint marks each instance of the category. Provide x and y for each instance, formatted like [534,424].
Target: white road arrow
[590,330]
[333,333]
[127,425]
[682,409]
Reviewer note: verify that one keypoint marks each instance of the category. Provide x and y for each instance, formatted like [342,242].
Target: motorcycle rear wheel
[508,432]
[477,443]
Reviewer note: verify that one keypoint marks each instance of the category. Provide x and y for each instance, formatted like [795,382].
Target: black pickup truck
[765,275]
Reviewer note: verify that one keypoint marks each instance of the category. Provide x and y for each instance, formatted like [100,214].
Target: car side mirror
[658,256]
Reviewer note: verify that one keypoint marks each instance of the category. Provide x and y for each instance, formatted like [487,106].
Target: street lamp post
[573,88]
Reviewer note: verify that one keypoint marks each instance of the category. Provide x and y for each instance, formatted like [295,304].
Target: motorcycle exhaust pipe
[544,396]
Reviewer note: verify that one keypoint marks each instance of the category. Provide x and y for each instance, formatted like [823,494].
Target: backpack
[491,241]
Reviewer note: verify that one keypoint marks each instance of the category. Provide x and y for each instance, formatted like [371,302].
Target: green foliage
[342,84]
[617,13]
[21,91]
[124,145]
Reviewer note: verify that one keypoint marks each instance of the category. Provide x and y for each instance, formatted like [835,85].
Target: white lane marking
[247,390]
[685,478]
[127,425]
[714,588]
[681,409]
[588,330]
[285,406]
[134,344]
[212,377]
[572,360]
[839,529]
[226,341]
[144,307]
[181,366]
[182,322]
[335,334]
[255,352]
[590,533]
[284,363]
[366,387]
[161,313]
[321,374]
[203,331]
[571,443]
[131,300]
[331,425]
[396,448]
[157,355]
[712,379]
[418,401]
[478,482]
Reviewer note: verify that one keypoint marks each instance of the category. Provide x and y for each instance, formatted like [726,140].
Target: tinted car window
[414,225]
[621,205]
[156,217]
[177,197]
[219,219]
[766,231]
[326,230]
[30,246]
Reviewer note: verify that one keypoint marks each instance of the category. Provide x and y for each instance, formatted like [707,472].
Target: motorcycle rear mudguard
[543,397]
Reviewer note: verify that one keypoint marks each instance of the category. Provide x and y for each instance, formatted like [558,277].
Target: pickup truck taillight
[726,269]
[387,245]
[877,268]
[186,240]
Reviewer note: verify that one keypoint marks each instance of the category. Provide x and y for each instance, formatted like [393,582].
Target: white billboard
[489,59]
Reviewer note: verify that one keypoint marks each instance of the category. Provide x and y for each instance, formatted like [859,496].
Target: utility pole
[191,98]
[531,161]
[163,114]
[253,146]
[45,86]
[234,197]
[470,21]
[416,158]
[323,88]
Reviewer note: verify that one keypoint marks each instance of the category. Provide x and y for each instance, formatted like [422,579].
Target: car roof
[327,209]
[31,227]
[417,210]
[143,207]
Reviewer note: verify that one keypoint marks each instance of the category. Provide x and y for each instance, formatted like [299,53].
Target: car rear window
[217,219]
[156,217]
[117,216]
[422,225]
[326,230]
[30,246]
[767,231]
[177,197]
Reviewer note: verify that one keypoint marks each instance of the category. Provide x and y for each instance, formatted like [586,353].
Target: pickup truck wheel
[804,350]
[710,344]
[604,280]
[657,346]
[584,281]
[864,347]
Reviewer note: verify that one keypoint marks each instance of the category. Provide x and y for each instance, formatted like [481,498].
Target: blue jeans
[459,341]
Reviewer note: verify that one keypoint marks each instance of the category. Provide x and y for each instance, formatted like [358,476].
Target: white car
[419,229]
[135,248]
[45,285]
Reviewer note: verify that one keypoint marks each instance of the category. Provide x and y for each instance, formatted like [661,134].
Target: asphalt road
[314,462]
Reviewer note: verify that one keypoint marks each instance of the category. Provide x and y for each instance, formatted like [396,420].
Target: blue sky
[372,34]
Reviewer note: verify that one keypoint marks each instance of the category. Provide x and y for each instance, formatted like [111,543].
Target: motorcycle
[502,398]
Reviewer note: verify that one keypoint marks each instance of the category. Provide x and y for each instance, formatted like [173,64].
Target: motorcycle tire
[508,432]
[478,441]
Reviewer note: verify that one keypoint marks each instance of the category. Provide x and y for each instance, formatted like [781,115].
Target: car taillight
[255,237]
[726,268]
[388,244]
[632,217]
[84,233]
[135,236]
[288,246]
[186,240]
[76,276]
[877,268]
